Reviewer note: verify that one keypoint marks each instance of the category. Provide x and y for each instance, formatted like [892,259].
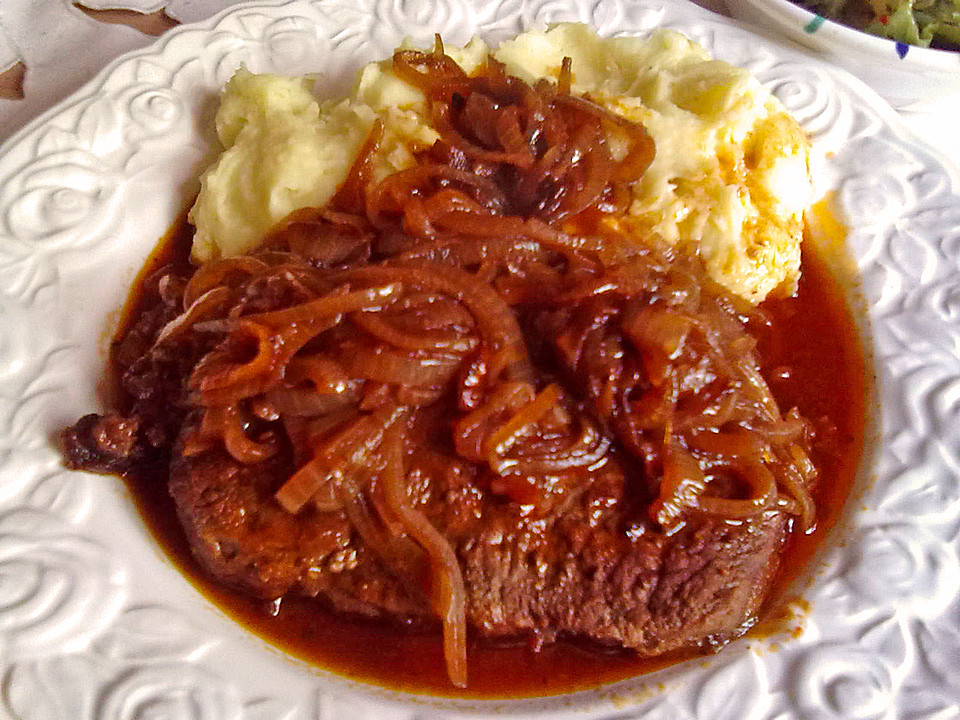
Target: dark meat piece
[151,386]
[581,570]
[244,538]
[102,443]
[651,593]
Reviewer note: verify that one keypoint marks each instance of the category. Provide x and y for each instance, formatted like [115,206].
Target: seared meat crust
[586,569]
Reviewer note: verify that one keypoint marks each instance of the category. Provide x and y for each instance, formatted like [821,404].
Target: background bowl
[907,76]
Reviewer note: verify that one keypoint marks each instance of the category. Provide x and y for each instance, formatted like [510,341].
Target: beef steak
[584,568]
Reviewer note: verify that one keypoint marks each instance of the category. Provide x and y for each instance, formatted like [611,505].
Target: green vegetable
[917,22]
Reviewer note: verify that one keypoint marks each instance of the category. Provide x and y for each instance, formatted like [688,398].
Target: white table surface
[62,48]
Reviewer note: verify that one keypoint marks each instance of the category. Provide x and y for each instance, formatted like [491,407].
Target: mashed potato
[730,172]
[730,176]
[285,151]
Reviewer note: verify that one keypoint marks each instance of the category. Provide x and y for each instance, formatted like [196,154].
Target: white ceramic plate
[95,623]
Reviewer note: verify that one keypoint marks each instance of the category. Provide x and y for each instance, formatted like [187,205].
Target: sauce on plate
[813,360]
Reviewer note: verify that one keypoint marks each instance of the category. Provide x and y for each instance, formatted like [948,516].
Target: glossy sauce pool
[814,336]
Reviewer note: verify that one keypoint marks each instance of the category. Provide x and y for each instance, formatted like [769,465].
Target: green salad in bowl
[927,23]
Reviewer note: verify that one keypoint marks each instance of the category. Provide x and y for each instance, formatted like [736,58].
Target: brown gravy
[813,331]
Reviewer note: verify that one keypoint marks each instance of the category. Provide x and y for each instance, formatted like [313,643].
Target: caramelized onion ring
[449,595]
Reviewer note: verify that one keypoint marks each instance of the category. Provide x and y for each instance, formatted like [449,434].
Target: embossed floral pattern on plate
[95,623]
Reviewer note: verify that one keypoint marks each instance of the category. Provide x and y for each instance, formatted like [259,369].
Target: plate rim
[91,88]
